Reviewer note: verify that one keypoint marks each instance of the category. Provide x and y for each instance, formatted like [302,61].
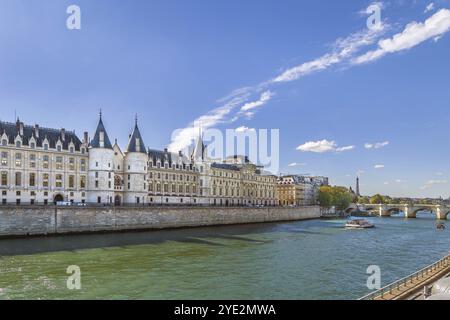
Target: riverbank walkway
[412,286]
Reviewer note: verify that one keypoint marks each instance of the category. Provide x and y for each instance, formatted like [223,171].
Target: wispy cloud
[323,146]
[343,49]
[379,166]
[414,34]
[244,129]
[296,164]
[430,7]
[377,145]
[430,183]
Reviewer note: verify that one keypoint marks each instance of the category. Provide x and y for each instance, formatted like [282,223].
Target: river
[315,259]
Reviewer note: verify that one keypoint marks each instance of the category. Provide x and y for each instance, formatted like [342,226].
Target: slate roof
[170,157]
[131,147]
[225,166]
[52,135]
[95,142]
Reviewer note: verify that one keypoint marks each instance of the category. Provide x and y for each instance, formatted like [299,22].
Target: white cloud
[344,48]
[343,149]
[323,146]
[184,137]
[431,183]
[400,181]
[386,183]
[318,146]
[377,145]
[439,174]
[430,7]
[359,173]
[379,166]
[296,164]
[414,34]
[265,97]
[244,129]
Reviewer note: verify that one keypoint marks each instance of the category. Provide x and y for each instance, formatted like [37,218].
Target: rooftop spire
[135,143]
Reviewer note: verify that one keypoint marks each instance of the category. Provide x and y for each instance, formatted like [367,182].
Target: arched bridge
[409,210]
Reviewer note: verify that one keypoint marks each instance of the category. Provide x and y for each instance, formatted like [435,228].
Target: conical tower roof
[136,144]
[101,139]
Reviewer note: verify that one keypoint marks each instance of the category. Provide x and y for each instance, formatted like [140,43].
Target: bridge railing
[444,262]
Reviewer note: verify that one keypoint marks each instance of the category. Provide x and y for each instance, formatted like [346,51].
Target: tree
[338,197]
[377,199]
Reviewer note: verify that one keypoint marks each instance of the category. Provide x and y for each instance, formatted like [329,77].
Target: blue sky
[172,62]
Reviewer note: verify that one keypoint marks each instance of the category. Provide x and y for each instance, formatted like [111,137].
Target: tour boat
[359,224]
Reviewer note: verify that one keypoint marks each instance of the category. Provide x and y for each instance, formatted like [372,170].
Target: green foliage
[338,197]
[377,199]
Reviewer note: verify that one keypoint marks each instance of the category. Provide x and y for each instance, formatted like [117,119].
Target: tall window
[45,180]
[83,165]
[18,159]
[4,158]
[72,164]
[32,181]
[4,178]
[4,142]
[82,182]
[32,161]
[46,160]
[58,181]
[18,179]
[18,144]
[71,181]
[59,163]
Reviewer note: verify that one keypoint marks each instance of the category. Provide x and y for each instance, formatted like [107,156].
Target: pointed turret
[101,139]
[199,149]
[136,144]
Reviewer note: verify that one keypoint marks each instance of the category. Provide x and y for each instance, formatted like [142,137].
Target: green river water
[315,259]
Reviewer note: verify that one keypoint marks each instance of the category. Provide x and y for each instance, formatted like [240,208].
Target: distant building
[298,190]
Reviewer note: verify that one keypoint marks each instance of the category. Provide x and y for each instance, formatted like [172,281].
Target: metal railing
[397,285]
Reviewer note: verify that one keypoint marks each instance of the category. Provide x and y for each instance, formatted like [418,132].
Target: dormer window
[45,146]
[72,150]
[82,150]
[102,139]
[32,145]
[138,144]
[4,142]
[18,144]
[58,148]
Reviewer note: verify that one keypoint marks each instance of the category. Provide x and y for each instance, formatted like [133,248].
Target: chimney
[19,125]
[63,134]
[36,130]
[86,138]
[180,153]
[165,149]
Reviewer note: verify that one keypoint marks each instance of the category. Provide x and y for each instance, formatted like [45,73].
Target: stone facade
[43,166]
[40,165]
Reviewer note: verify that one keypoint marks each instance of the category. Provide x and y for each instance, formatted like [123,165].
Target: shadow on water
[36,245]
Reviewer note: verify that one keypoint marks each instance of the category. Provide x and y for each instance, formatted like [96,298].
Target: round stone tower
[101,170]
[135,169]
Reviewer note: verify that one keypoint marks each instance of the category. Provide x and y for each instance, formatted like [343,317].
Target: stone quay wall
[23,221]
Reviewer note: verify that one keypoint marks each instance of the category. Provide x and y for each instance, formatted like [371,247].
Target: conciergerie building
[41,166]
